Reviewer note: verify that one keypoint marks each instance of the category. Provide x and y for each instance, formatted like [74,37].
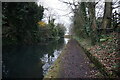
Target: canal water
[30,61]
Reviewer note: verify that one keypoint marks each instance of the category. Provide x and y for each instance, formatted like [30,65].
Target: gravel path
[75,63]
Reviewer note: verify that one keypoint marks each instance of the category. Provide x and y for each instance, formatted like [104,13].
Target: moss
[54,71]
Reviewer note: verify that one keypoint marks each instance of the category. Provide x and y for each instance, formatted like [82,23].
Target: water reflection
[30,61]
[49,60]
[66,40]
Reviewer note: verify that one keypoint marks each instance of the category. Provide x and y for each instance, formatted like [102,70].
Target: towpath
[73,63]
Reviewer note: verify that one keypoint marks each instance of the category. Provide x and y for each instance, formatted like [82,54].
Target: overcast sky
[61,11]
[58,10]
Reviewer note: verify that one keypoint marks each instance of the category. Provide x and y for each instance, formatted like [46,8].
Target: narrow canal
[30,61]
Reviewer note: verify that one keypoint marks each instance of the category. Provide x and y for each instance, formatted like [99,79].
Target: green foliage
[20,24]
[60,30]
[56,31]
[20,21]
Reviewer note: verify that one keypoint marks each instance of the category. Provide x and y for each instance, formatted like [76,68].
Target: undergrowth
[105,51]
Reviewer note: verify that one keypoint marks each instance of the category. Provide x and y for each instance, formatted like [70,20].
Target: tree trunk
[106,23]
[92,19]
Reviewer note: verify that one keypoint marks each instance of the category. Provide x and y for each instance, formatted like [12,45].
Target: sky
[61,11]
[58,10]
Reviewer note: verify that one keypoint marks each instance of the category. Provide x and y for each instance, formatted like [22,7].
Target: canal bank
[73,63]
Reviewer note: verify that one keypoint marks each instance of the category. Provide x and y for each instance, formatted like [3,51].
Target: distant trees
[60,30]
[51,31]
[20,23]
